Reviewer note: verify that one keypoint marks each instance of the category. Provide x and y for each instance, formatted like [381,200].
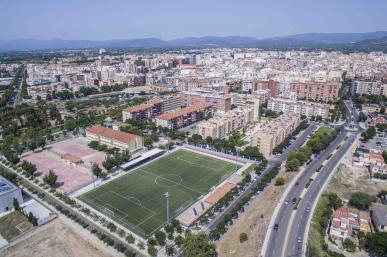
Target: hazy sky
[167,19]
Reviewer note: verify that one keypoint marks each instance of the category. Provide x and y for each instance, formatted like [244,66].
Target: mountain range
[307,40]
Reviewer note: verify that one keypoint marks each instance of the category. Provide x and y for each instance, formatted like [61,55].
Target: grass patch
[13,225]
[320,222]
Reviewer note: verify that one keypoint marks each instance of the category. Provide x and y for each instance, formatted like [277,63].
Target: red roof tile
[184,111]
[112,134]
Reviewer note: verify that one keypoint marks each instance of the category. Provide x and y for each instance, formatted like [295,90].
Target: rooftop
[112,134]
[184,111]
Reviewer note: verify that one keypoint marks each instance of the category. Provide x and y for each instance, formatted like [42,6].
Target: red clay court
[75,148]
[70,178]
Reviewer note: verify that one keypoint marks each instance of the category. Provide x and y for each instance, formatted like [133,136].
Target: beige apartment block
[272,133]
[225,123]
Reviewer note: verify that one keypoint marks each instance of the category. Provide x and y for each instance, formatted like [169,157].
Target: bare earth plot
[53,239]
[253,223]
[349,179]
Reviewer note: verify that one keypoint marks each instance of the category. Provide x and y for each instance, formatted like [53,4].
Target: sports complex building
[194,180]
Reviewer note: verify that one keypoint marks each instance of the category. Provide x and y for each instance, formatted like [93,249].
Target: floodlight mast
[167,195]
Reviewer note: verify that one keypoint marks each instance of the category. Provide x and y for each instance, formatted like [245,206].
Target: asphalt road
[292,224]
[275,160]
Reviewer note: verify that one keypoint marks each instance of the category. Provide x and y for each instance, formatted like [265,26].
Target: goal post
[109,212]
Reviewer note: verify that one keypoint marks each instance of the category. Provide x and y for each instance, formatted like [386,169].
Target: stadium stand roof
[143,157]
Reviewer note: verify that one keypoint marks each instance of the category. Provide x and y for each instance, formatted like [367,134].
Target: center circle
[168,180]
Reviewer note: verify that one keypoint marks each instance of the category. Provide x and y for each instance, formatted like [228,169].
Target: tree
[93,144]
[243,237]
[349,245]
[179,240]
[195,138]
[362,117]
[130,239]
[170,250]
[198,245]
[50,178]
[160,237]
[29,168]
[103,175]
[148,141]
[32,219]
[301,157]
[376,243]
[16,204]
[252,152]
[109,163]
[361,201]
[293,165]
[279,181]
[209,140]
[96,170]
[369,133]
[152,250]
[32,145]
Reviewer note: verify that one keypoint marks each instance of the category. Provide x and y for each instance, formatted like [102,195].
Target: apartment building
[218,101]
[346,219]
[115,138]
[317,91]
[369,87]
[272,133]
[184,117]
[151,108]
[171,103]
[262,94]
[306,108]
[143,111]
[370,108]
[45,89]
[247,100]
[225,123]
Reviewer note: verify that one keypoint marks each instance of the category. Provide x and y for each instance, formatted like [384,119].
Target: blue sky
[168,19]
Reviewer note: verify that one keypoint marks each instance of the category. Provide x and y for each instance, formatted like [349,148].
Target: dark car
[297,184]
[276,226]
[294,200]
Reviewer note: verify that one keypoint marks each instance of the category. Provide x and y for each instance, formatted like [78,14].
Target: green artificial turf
[136,200]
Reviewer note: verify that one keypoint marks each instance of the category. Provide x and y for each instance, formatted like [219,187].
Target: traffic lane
[285,212]
[298,142]
[301,217]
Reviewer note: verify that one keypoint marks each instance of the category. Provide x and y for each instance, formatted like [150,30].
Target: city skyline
[99,20]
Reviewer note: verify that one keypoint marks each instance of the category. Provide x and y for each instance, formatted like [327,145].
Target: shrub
[361,201]
[279,181]
[243,237]
[349,245]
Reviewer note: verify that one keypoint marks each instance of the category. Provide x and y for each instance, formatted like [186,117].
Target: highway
[275,160]
[288,239]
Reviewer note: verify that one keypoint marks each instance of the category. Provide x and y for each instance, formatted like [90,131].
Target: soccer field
[136,200]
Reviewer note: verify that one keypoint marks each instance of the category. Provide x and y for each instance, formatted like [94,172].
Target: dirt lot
[53,239]
[254,222]
[351,178]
